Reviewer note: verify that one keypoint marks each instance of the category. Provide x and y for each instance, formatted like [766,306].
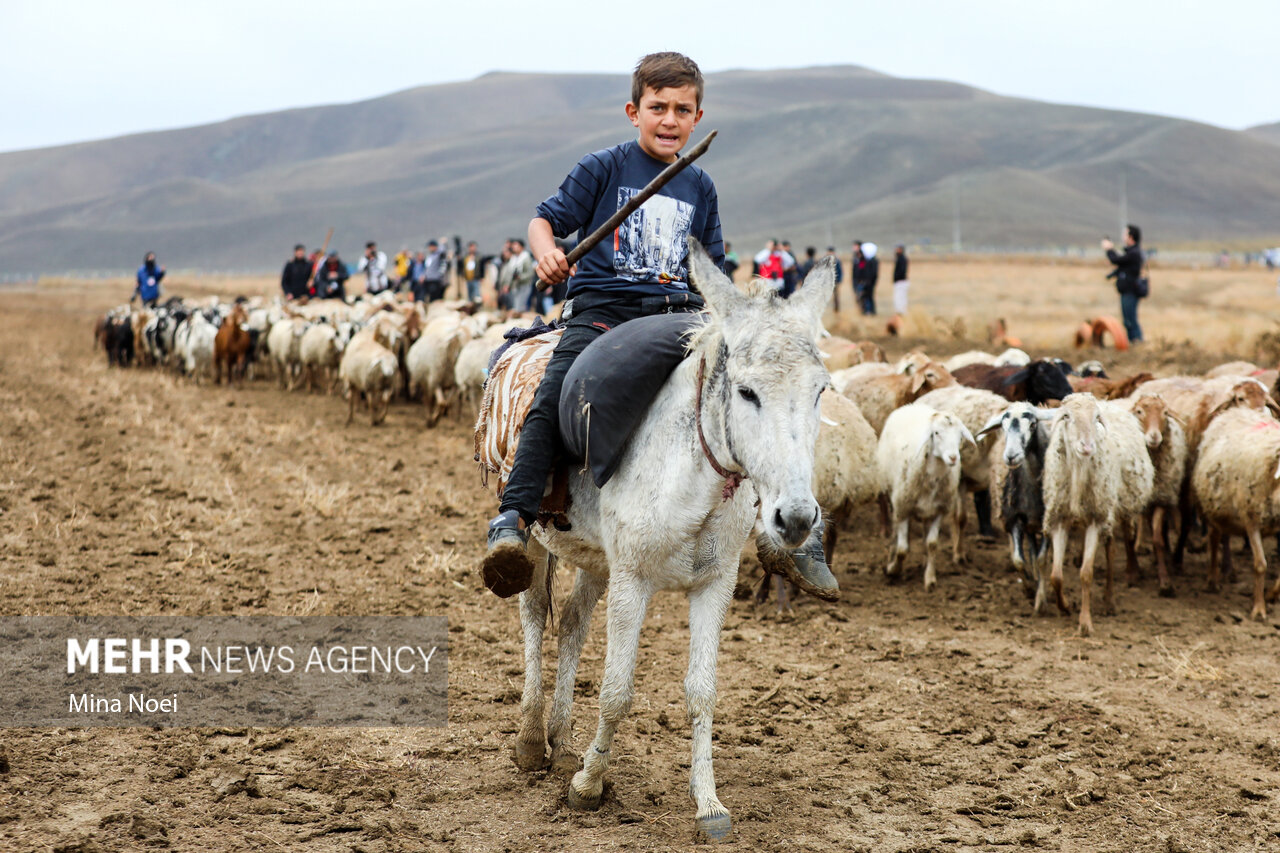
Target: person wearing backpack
[1131,282]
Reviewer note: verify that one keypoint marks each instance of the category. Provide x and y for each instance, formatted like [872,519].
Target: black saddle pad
[610,386]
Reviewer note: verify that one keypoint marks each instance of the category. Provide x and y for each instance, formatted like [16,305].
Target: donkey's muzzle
[793,520]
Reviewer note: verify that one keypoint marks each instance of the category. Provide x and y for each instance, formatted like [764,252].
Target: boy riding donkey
[640,272]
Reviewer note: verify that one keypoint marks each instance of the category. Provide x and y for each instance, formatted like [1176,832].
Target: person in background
[790,276]
[374,266]
[471,266]
[730,260]
[317,264]
[403,261]
[806,266]
[768,265]
[415,283]
[332,283]
[149,276]
[900,283]
[866,271]
[1128,269]
[296,277]
[835,295]
[437,267]
[521,272]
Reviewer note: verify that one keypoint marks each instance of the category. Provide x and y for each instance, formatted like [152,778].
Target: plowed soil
[891,720]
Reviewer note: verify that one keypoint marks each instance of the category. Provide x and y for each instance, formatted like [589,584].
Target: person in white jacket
[374,266]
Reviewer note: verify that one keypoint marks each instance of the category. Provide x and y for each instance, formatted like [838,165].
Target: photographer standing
[374,266]
[1128,275]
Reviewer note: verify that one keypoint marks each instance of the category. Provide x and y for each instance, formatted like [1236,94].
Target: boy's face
[665,118]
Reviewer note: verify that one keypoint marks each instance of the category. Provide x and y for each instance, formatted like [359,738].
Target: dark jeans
[540,438]
[435,289]
[866,295]
[1129,311]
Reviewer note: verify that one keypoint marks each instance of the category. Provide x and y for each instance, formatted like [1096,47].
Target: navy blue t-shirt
[649,250]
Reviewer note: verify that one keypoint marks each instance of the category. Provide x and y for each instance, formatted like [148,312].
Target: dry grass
[1185,664]
[323,499]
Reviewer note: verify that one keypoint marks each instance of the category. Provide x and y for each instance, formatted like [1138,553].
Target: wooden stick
[589,242]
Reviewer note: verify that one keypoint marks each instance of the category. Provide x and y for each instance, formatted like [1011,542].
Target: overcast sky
[89,69]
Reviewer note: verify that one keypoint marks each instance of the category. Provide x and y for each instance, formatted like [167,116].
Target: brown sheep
[878,396]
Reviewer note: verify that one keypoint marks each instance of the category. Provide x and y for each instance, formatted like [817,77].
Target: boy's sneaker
[806,566]
[507,569]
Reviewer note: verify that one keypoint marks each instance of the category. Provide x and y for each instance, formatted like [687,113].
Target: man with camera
[1130,282]
[374,266]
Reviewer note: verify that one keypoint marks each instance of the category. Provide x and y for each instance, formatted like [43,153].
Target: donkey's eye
[747,394]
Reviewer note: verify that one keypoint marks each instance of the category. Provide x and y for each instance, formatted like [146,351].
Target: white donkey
[668,520]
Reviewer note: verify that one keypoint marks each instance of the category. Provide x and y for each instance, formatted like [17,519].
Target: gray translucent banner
[196,671]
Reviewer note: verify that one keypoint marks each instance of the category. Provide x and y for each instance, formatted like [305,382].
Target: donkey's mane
[707,338]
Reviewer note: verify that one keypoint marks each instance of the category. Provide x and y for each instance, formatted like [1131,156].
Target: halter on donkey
[666,520]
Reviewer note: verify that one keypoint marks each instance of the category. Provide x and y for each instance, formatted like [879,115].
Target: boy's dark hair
[370,244]
[665,70]
[810,251]
[1135,232]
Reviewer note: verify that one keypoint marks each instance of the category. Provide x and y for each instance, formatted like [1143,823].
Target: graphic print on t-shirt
[652,243]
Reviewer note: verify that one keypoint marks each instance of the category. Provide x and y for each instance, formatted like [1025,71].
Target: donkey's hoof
[529,756]
[565,764]
[714,827]
[1167,591]
[582,803]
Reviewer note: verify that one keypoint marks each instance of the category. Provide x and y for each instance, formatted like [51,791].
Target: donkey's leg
[575,620]
[628,601]
[530,747]
[707,608]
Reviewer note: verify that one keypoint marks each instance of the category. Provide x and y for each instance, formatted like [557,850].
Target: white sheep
[1236,481]
[369,367]
[471,370]
[284,343]
[975,408]
[320,353]
[1097,474]
[431,362]
[199,346]
[919,462]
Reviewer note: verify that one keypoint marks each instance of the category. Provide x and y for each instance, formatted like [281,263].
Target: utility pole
[955,215]
[1124,206]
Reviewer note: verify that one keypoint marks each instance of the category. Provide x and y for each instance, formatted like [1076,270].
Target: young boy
[643,270]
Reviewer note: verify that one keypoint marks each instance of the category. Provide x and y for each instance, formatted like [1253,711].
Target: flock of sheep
[1059,451]
[1042,448]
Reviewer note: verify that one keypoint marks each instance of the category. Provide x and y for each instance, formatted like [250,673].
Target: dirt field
[892,720]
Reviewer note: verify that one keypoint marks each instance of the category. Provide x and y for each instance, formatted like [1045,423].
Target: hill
[1267,132]
[812,154]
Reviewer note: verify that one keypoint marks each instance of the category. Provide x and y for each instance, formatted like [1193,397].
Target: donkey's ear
[720,292]
[815,293]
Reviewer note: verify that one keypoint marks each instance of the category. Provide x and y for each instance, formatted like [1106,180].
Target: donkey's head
[765,376]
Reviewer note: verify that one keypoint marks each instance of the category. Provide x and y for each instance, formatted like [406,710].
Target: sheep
[1018,479]
[844,477]
[320,353]
[877,396]
[284,342]
[975,408]
[1236,481]
[1167,446]
[1233,368]
[369,367]
[1104,388]
[1012,357]
[839,353]
[918,457]
[964,359]
[1037,383]
[231,346]
[1093,367]
[1097,473]
[470,371]
[199,349]
[431,362]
